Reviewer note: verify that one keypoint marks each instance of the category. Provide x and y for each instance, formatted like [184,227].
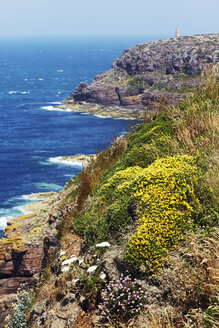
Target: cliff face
[26,243]
[148,72]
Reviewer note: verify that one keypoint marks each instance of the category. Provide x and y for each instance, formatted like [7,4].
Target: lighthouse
[177,34]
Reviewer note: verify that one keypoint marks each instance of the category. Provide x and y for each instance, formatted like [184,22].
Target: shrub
[19,319]
[137,83]
[123,299]
[167,205]
[167,190]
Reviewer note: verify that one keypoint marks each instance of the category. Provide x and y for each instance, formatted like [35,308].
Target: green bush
[19,319]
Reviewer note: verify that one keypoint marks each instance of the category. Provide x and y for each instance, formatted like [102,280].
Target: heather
[123,299]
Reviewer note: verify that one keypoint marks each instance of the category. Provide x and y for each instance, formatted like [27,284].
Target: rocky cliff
[148,75]
[26,243]
[164,175]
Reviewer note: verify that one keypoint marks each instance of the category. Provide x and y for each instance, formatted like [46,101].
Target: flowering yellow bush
[165,195]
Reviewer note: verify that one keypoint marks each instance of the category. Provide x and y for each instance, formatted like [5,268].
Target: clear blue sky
[107,17]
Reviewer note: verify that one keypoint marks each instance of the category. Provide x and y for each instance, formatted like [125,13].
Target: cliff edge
[147,75]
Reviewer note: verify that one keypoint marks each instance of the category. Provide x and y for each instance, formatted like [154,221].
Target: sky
[24,18]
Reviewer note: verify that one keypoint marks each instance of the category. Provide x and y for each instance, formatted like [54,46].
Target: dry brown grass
[169,317]
[201,131]
[201,274]
[198,116]
[192,282]
[90,176]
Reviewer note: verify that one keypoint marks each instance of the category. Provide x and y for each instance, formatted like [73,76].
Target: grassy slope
[154,194]
[188,129]
[105,200]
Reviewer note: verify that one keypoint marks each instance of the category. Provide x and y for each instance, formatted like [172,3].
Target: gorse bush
[166,200]
[123,299]
[168,169]
[167,207]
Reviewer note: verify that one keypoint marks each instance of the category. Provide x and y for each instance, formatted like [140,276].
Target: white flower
[71,260]
[73,255]
[92,269]
[65,269]
[103,275]
[62,253]
[81,261]
[103,244]
[76,280]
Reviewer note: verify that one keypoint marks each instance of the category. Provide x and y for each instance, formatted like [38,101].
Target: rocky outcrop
[187,55]
[147,73]
[26,243]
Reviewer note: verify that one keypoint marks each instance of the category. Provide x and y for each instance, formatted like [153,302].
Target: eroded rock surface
[26,243]
[147,73]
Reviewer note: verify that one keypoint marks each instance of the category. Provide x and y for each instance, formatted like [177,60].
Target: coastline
[75,160]
[116,112]
[46,232]
[41,200]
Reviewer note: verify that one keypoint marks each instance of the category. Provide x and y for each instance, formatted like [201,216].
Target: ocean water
[36,75]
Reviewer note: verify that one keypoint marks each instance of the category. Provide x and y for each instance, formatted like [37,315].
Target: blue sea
[35,76]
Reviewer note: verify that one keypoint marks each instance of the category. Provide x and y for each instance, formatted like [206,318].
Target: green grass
[190,128]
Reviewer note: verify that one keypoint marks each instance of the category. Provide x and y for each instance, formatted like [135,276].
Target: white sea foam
[18,92]
[60,70]
[41,79]
[124,118]
[44,163]
[60,160]
[42,151]
[22,210]
[19,210]
[47,186]
[8,214]
[101,116]
[31,198]
[115,118]
[53,108]
[3,221]
[48,107]
[55,102]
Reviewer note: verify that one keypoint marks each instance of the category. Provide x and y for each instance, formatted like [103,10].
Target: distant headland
[146,76]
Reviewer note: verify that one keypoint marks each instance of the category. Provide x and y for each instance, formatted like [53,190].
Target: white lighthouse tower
[177,34]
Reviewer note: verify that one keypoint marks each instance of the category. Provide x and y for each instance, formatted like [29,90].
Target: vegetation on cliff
[148,194]
[152,197]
